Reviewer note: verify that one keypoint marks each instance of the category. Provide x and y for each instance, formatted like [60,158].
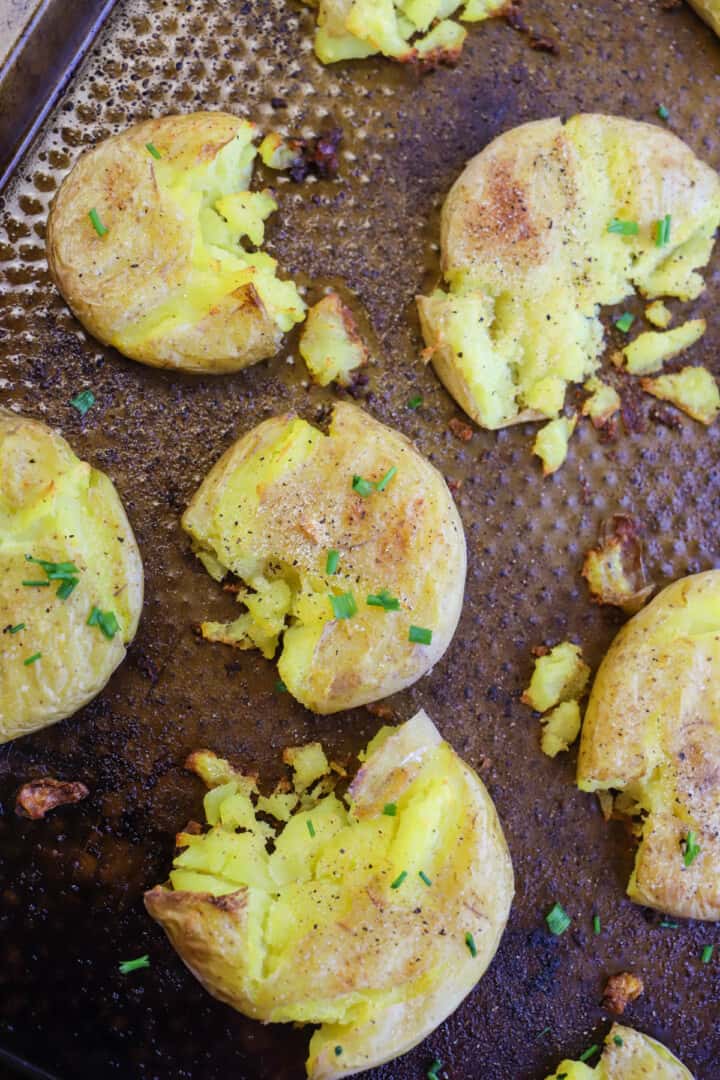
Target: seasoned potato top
[627,1055]
[72,578]
[373,915]
[167,273]
[652,731]
[350,545]
[548,223]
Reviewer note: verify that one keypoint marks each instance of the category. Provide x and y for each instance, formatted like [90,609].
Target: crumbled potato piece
[330,344]
[404,30]
[649,351]
[627,1055]
[658,314]
[551,442]
[279,805]
[36,798]
[308,762]
[604,402]
[561,728]
[693,390]
[561,675]
[614,570]
[620,990]
[277,153]
[246,213]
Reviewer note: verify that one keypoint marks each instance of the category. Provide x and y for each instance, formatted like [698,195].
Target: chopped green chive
[383,483]
[331,563]
[66,587]
[32,659]
[692,848]
[470,942]
[415,401]
[106,620]
[134,965]
[97,224]
[707,954]
[344,606]
[662,231]
[338,1051]
[17,628]
[362,487]
[398,880]
[432,1073]
[590,1052]
[663,112]
[557,920]
[310,827]
[596,924]
[37,584]
[424,878]
[390,809]
[544,1031]
[419,635]
[83,401]
[617,1040]
[384,600]
[668,924]
[280,687]
[152,149]
[625,322]
[623,228]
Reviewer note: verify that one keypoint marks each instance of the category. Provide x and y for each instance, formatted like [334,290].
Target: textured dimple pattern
[374,233]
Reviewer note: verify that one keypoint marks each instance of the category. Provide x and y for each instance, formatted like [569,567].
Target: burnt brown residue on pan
[71,886]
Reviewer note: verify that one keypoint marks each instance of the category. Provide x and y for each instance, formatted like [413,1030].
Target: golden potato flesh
[532,246]
[627,1055]
[172,281]
[411,31]
[72,578]
[351,549]
[709,10]
[374,916]
[652,732]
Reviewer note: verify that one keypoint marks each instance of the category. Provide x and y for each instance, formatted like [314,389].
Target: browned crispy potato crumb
[36,798]
[460,429]
[614,570]
[620,990]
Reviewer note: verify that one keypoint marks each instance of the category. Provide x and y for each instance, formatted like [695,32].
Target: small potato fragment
[561,728]
[614,570]
[36,798]
[620,990]
[308,762]
[658,314]
[165,275]
[560,675]
[709,10]
[603,403]
[693,390]
[282,500]
[330,344]
[652,732]
[372,926]
[627,1055]
[551,443]
[649,351]
[530,255]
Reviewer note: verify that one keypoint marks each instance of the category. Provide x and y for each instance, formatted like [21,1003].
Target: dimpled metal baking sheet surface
[72,885]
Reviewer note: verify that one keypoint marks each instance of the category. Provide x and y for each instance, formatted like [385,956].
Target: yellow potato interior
[627,1055]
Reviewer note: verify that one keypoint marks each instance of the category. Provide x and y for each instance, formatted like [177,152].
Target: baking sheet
[71,886]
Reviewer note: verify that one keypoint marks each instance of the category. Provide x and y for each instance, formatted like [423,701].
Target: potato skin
[55,507]
[408,539]
[375,945]
[651,729]
[113,281]
[525,234]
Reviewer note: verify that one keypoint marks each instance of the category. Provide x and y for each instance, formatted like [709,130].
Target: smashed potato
[652,733]
[615,570]
[72,578]
[351,549]
[627,1055]
[150,242]
[331,344]
[709,10]
[559,675]
[548,223]
[649,351]
[373,916]
[411,31]
[693,390]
